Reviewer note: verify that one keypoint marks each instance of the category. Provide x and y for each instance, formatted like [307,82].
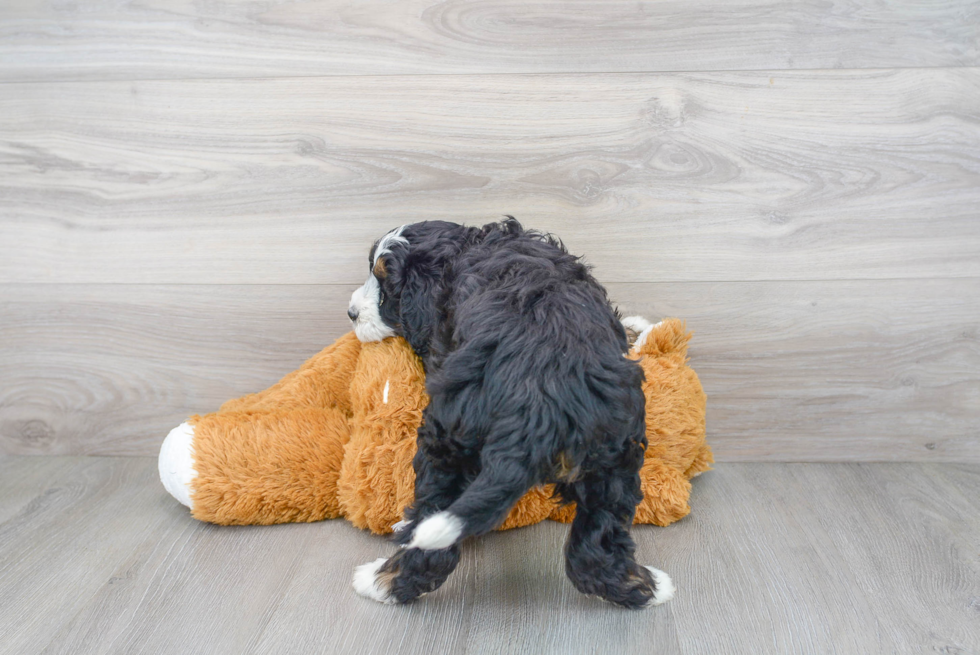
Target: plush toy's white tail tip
[176,463]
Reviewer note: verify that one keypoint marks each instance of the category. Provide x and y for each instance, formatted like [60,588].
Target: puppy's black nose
[351,314]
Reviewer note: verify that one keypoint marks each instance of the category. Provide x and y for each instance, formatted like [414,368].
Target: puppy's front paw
[664,587]
[371,582]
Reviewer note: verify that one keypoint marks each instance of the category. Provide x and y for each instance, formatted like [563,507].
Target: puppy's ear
[381,268]
[416,281]
[419,316]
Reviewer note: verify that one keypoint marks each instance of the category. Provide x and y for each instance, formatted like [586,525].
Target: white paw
[665,587]
[176,463]
[437,532]
[367,584]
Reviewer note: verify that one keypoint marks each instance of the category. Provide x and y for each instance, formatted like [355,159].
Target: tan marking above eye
[379,268]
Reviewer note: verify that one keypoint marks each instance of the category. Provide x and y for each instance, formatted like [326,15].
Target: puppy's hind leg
[406,575]
[432,540]
[411,572]
[482,506]
[599,554]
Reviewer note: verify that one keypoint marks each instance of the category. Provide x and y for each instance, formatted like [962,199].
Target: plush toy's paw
[176,463]
[635,323]
[370,583]
[637,330]
[665,587]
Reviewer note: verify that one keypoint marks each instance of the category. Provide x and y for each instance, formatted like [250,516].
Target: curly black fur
[524,365]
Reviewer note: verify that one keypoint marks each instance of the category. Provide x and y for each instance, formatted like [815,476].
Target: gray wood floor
[776,558]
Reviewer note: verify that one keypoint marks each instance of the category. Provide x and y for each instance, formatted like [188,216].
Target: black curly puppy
[523,355]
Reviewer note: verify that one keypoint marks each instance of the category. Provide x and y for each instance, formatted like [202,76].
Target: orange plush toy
[337,437]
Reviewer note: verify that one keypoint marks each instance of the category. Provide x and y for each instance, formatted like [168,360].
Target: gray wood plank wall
[95,39]
[187,194]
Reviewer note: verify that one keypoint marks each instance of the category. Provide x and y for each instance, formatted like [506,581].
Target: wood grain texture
[70,540]
[788,558]
[19,485]
[189,592]
[795,371]
[111,369]
[882,370]
[965,479]
[94,39]
[532,614]
[320,594]
[918,560]
[848,558]
[754,577]
[723,176]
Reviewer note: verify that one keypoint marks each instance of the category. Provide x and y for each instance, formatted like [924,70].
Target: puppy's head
[406,269]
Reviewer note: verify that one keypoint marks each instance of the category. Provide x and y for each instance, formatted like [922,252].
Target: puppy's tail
[481,508]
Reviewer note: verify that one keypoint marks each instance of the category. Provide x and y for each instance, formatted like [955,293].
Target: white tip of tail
[439,531]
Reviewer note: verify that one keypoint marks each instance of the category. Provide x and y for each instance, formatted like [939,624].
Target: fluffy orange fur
[337,436]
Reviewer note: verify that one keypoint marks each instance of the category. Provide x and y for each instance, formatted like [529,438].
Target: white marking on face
[384,399]
[387,241]
[364,302]
[437,532]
